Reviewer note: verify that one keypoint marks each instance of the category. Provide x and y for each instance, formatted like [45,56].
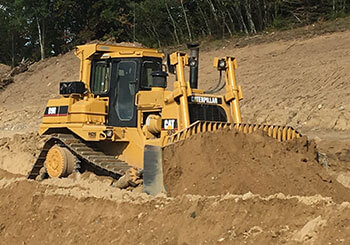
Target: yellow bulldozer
[117,118]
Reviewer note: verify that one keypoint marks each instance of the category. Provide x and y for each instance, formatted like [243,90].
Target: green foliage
[57,26]
[280,23]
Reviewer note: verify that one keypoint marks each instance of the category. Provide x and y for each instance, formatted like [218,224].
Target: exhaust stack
[193,62]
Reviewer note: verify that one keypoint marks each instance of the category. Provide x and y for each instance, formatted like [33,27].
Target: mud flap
[153,170]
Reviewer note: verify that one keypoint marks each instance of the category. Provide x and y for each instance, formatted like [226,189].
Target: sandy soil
[23,102]
[302,83]
[73,212]
[233,162]
[252,190]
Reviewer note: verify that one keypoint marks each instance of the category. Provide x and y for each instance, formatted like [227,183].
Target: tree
[13,25]
[36,29]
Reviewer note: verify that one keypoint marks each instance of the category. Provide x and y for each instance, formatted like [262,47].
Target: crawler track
[87,153]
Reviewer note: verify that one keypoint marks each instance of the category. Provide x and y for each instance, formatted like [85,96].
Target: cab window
[148,67]
[126,80]
[100,77]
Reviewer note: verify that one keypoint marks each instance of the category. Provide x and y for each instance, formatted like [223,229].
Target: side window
[100,78]
[147,68]
[126,81]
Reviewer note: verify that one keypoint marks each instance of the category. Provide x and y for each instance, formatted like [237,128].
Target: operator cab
[120,79]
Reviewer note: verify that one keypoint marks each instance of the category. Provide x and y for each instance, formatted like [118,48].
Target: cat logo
[169,124]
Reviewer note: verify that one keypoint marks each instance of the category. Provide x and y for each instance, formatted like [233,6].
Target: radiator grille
[205,112]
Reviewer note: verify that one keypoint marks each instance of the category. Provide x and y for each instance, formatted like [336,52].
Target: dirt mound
[18,153]
[227,161]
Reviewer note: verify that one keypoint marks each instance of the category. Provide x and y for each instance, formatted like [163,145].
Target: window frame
[144,60]
[135,89]
[92,76]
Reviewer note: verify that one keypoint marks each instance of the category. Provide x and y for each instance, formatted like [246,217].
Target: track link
[86,152]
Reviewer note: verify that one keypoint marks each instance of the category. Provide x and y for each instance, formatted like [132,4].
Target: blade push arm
[182,88]
[233,93]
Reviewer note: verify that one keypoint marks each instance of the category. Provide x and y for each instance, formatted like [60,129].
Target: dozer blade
[153,170]
[280,133]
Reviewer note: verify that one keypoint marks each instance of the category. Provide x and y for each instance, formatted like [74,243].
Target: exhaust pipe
[193,61]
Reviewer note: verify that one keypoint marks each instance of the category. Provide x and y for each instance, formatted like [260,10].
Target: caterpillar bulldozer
[117,118]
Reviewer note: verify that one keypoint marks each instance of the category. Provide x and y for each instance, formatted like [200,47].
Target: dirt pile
[18,153]
[227,161]
[47,214]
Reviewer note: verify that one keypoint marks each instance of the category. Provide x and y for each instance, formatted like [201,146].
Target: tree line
[37,29]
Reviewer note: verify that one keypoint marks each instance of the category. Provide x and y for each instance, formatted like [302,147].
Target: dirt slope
[303,83]
[23,102]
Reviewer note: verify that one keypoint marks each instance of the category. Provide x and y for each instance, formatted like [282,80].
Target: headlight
[109,133]
[222,64]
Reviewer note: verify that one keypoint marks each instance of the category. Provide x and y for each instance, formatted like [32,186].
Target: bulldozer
[118,117]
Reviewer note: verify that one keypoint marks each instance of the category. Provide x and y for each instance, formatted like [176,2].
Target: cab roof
[114,51]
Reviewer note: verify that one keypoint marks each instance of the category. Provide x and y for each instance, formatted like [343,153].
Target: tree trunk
[259,15]
[134,25]
[249,16]
[157,36]
[150,33]
[239,23]
[214,11]
[226,25]
[239,15]
[186,20]
[231,19]
[173,21]
[223,13]
[41,39]
[226,11]
[12,49]
[266,14]
[204,18]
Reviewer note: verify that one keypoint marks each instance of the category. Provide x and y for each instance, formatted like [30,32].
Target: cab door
[122,108]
